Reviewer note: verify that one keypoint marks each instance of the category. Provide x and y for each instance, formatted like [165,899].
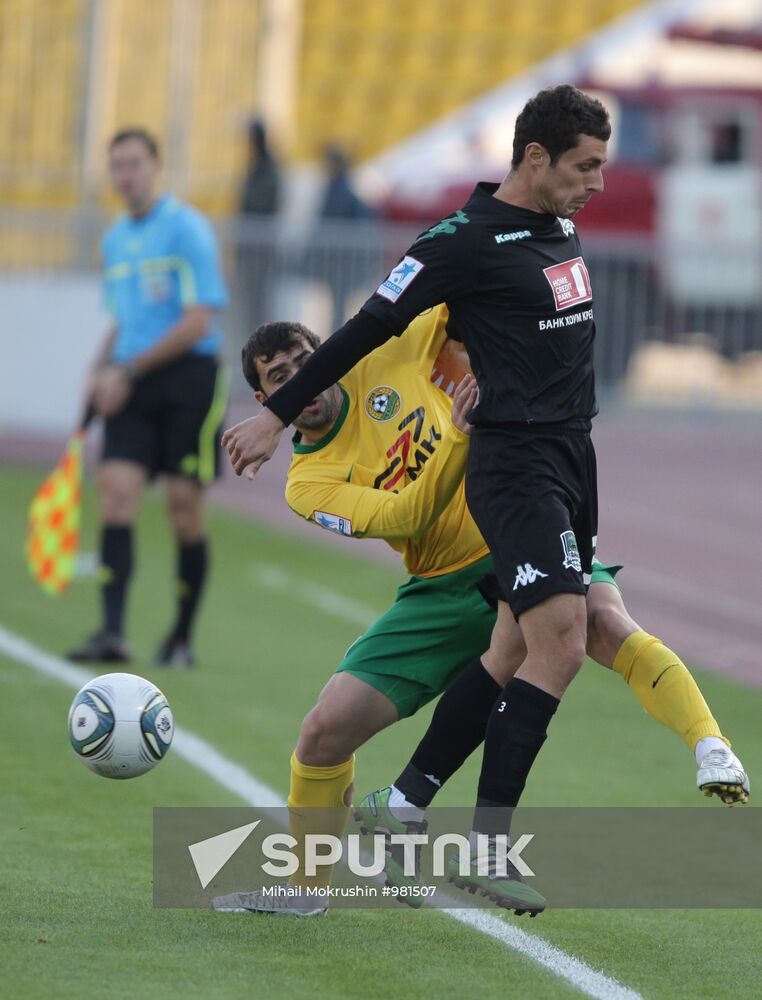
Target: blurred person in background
[158,386]
[340,200]
[259,203]
[336,255]
[260,194]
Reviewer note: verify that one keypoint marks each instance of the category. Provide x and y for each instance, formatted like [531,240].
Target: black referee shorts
[172,421]
[534,494]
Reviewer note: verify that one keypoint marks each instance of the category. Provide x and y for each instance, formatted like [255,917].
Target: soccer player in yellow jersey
[381,455]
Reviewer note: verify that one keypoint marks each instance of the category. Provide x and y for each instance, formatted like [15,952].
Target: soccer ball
[120,725]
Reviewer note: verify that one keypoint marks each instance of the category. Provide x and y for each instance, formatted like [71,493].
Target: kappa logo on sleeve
[402,275]
[570,283]
[332,522]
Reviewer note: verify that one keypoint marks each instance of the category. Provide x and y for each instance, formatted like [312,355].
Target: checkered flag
[53,521]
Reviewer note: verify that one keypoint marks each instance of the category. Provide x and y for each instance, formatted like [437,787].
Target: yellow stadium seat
[369,74]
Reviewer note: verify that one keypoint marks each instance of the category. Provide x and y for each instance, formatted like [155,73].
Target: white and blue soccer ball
[120,725]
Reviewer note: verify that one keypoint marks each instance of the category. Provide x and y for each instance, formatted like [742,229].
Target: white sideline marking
[203,756]
[315,594]
[563,965]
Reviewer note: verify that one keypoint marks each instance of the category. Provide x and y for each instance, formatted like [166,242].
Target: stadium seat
[448,52]
[368,76]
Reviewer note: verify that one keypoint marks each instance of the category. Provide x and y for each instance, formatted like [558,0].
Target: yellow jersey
[392,466]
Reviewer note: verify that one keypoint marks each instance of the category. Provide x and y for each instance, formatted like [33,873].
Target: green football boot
[375,817]
[508,890]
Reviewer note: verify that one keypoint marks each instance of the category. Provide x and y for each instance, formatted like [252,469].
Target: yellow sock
[665,688]
[316,804]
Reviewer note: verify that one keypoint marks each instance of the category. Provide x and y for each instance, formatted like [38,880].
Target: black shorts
[172,421]
[533,493]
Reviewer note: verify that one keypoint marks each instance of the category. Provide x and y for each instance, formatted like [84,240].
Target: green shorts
[435,627]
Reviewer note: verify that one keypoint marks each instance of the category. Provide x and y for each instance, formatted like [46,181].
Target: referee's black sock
[116,566]
[192,564]
[456,729]
[517,729]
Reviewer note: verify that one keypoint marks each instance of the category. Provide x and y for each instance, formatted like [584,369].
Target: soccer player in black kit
[510,267]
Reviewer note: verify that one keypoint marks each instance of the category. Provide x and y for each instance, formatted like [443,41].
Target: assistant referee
[159,387]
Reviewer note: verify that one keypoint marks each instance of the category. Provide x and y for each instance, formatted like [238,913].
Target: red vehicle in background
[698,147]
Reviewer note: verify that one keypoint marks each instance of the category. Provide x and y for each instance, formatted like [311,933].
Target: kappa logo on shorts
[400,278]
[383,403]
[570,283]
[571,552]
[526,574]
[332,522]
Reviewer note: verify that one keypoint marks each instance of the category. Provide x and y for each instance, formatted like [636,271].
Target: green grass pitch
[75,878]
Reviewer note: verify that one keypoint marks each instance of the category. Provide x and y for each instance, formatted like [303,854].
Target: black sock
[192,563]
[517,729]
[116,564]
[456,729]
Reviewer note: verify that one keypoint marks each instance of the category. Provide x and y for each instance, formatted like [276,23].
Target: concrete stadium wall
[50,328]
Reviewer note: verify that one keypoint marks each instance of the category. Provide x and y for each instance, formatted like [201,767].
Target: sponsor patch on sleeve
[403,274]
[332,522]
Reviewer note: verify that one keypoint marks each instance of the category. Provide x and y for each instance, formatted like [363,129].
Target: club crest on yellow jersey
[383,403]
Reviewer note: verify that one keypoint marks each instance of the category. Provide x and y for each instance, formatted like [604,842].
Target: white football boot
[296,903]
[721,773]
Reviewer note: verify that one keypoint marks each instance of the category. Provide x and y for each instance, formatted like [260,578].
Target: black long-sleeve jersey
[519,297]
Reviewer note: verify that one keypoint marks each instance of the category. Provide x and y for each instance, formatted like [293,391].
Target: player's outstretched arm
[335,356]
[253,442]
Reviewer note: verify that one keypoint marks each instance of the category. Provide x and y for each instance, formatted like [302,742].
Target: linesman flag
[52,540]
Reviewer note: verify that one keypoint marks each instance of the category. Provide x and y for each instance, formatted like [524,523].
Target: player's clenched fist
[252,442]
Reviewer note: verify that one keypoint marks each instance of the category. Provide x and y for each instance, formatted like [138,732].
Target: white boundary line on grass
[203,756]
[330,602]
[667,588]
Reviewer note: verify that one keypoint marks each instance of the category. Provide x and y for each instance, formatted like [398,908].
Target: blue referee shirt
[157,266]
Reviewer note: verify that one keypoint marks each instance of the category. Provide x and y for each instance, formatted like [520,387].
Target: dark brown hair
[270,339]
[555,118]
